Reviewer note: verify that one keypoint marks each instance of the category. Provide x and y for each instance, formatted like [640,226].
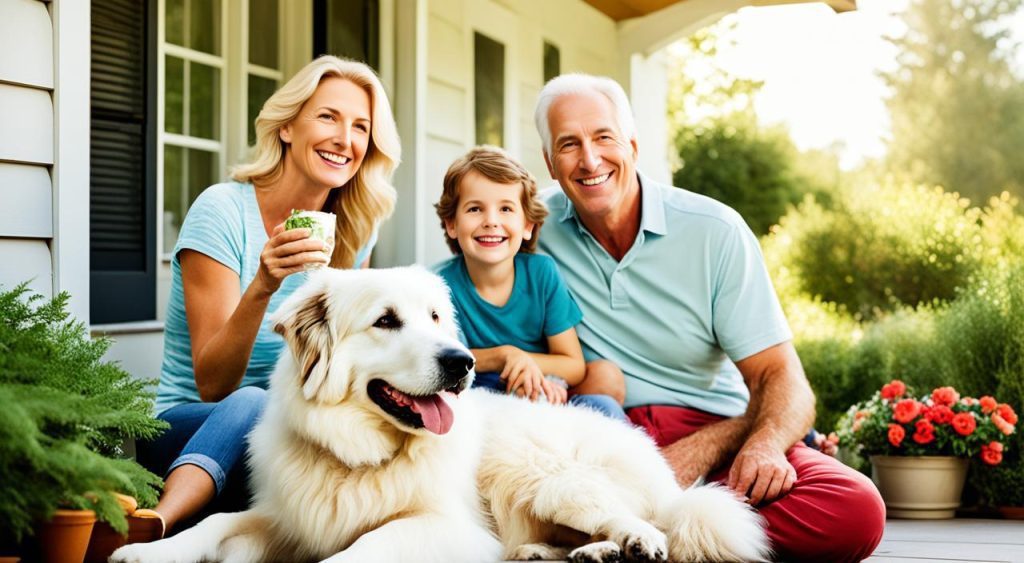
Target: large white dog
[372,449]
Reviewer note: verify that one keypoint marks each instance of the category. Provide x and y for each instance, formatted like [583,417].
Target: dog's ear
[307,329]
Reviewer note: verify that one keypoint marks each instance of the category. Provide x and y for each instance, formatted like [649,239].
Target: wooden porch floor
[960,539]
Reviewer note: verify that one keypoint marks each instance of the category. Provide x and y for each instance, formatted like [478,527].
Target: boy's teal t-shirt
[540,305]
[225,224]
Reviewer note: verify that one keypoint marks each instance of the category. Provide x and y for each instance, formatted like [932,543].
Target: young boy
[515,312]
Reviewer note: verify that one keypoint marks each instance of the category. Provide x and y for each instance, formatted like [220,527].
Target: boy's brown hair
[496,165]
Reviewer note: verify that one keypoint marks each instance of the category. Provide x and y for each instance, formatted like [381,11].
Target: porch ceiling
[619,10]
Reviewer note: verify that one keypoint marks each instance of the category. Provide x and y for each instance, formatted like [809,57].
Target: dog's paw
[145,553]
[537,552]
[641,541]
[597,552]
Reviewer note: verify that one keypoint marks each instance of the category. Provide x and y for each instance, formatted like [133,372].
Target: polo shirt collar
[652,209]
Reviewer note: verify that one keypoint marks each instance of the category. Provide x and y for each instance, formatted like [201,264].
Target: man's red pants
[832,513]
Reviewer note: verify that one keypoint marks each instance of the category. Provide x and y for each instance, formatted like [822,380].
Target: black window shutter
[122,147]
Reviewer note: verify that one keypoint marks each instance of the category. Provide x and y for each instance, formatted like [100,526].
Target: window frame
[231,145]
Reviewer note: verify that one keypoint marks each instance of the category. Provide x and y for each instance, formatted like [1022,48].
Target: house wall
[434,105]
[44,139]
[26,145]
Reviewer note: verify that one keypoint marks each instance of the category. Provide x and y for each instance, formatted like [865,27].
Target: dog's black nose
[455,364]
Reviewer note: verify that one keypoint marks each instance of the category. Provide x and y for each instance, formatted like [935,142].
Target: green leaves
[64,415]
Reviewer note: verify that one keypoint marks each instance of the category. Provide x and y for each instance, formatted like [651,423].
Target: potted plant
[920,448]
[64,415]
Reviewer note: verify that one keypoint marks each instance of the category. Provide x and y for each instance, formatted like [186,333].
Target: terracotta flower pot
[65,537]
[919,487]
[1012,512]
[105,540]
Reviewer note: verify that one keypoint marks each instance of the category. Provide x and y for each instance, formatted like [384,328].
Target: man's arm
[780,412]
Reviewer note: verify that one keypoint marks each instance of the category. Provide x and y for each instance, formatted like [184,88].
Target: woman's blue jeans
[603,404]
[213,437]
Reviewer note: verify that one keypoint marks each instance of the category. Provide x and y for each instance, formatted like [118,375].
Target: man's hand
[761,473]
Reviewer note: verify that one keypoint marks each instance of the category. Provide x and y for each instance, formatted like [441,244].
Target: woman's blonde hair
[369,197]
[496,165]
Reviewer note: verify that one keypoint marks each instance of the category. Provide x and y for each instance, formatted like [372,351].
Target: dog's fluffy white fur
[371,450]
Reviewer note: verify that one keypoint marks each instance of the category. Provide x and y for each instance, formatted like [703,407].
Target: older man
[674,289]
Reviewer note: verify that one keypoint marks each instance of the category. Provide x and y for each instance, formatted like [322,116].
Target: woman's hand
[286,253]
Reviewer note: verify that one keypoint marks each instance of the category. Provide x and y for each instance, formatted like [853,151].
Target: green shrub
[972,339]
[64,414]
[879,248]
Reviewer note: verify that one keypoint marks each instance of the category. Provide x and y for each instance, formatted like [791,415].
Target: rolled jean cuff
[205,463]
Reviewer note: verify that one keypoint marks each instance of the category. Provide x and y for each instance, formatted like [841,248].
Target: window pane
[202,172]
[204,25]
[552,62]
[187,172]
[489,95]
[259,90]
[204,101]
[173,188]
[174,95]
[174,19]
[347,28]
[263,32]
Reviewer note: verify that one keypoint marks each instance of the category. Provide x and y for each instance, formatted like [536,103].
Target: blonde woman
[325,141]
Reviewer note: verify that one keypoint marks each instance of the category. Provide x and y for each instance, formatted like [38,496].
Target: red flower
[925,432]
[988,404]
[894,389]
[906,410]
[992,453]
[896,434]
[1001,424]
[1006,411]
[945,396]
[939,414]
[964,423]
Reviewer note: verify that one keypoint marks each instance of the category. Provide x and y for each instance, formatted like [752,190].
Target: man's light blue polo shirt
[691,294]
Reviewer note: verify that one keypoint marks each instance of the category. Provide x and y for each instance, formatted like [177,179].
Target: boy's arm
[564,357]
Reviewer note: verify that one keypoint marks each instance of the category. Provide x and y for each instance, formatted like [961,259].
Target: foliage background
[908,267]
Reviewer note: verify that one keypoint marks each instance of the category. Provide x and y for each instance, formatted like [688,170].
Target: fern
[64,414]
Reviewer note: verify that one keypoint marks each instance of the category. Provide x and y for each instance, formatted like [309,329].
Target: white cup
[321,226]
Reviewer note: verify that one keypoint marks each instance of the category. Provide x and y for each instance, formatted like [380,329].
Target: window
[163,128]
[347,28]
[192,140]
[552,62]
[489,90]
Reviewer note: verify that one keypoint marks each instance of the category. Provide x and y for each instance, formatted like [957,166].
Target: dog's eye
[388,321]
[435,316]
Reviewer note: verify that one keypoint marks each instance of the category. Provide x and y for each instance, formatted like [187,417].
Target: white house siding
[26,145]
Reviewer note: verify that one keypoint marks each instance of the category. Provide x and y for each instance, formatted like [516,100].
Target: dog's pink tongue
[437,415]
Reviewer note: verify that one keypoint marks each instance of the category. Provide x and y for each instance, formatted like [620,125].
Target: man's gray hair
[577,83]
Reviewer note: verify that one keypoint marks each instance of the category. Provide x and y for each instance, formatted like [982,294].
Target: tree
[957,108]
[723,152]
[749,169]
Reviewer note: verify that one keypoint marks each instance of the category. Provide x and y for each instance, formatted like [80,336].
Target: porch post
[402,237]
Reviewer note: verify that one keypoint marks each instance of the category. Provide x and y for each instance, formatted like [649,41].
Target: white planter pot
[919,487]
